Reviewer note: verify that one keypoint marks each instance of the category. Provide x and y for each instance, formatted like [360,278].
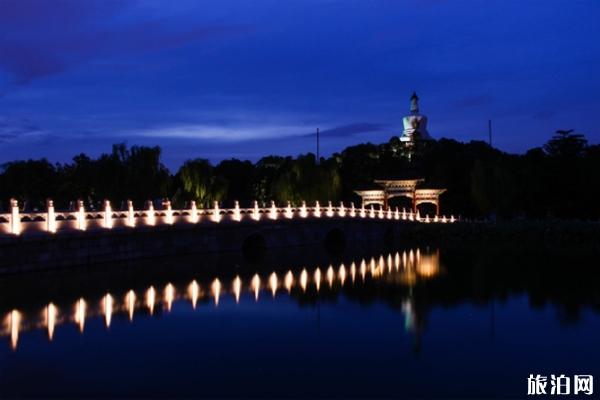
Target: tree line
[560,179]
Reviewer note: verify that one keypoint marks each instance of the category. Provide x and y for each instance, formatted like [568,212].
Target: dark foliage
[561,179]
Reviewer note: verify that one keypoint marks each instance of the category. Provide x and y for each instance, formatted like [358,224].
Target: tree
[566,144]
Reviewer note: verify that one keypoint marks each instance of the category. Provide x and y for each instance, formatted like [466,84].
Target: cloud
[350,130]
[42,38]
[12,129]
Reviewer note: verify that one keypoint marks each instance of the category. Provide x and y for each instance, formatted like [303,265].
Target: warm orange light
[330,276]
[107,303]
[15,325]
[193,293]
[289,281]
[237,288]
[169,296]
[130,301]
[80,314]
[303,280]
[273,283]
[216,290]
[256,285]
[150,299]
[50,319]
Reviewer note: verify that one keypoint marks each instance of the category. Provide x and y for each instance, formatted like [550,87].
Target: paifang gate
[401,188]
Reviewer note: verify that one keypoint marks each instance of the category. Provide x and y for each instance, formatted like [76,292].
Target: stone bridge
[52,239]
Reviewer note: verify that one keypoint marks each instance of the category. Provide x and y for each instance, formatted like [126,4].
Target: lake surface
[404,323]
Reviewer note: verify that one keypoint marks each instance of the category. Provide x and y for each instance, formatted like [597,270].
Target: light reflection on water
[406,273]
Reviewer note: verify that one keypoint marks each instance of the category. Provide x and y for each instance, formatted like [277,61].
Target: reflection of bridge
[401,188]
[398,270]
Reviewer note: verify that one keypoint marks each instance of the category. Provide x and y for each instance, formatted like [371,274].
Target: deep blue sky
[220,79]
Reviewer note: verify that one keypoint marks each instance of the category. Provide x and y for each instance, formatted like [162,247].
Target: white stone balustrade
[16,222]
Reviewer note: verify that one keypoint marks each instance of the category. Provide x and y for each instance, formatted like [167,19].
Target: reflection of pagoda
[415,124]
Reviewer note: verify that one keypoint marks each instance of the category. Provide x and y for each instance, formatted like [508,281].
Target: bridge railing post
[15,218]
[108,222]
[50,216]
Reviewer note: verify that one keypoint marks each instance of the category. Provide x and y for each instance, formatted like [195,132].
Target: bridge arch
[254,247]
[335,240]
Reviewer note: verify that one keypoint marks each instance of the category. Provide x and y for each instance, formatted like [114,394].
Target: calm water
[407,323]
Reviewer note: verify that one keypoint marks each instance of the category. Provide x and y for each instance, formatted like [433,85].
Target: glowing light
[372,267]
[273,211]
[194,292]
[404,259]
[81,225]
[397,260]
[363,270]
[237,216]
[289,281]
[288,211]
[15,325]
[151,217]
[389,213]
[380,213]
[363,213]
[444,219]
[411,216]
[303,280]
[330,276]
[317,209]
[130,301]
[107,303]
[418,216]
[168,212]
[427,219]
[130,214]
[256,286]
[352,210]
[216,290]
[80,314]
[411,257]
[329,209]
[452,219]
[353,271]
[436,219]
[389,263]
[255,212]
[216,217]
[237,288]
[318,279]
[404,214]
[342,274]
[303,212]
[108,222]
[169,295]
[15,218]
[273,283]
[51,217]
[193,212]
[342,210]
[428,266]
[371,212]
[150,299]
[50,319]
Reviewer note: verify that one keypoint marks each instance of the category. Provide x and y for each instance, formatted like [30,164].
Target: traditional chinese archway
[401,188]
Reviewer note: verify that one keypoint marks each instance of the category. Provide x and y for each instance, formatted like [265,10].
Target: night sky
[243,79]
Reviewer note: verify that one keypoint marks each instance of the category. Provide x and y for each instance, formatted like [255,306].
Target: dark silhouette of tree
[566,144]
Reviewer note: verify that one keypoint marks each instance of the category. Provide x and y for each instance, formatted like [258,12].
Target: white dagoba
[415,124]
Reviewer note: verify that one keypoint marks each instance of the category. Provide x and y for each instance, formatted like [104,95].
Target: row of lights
[413,263]
[215,215]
